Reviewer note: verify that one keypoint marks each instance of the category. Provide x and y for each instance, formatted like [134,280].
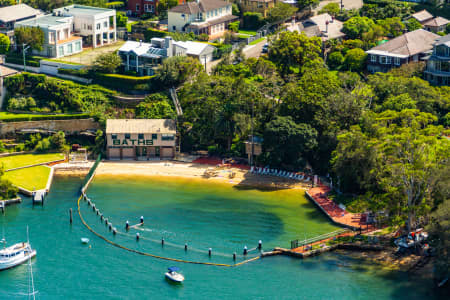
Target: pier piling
[70,212]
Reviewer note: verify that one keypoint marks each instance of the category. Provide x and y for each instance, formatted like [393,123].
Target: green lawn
[11,117]
[257,41]
[247,32]
[16,161]
[29,178]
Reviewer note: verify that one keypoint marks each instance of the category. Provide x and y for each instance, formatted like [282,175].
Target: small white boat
[15,255]
[173,275]
[84,240]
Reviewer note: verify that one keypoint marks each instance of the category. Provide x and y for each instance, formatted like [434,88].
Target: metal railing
[300,243]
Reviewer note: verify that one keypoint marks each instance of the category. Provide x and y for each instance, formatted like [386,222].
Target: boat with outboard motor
[173,275]
[15,255]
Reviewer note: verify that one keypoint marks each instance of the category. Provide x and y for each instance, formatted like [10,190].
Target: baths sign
[132,142]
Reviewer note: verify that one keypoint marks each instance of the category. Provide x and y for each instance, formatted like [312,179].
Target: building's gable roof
[140,126]
[422,15]
[333,30]
[436,22]
[193,48]
[408,44]
[17,12]
[202,6]
[443,40]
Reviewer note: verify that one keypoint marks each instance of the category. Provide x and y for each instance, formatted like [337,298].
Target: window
[98,26]
[174,28]
[397,61]
[167,137]
[373,58]
[154,136]
[385,60]
[215,12]
[152,8]
[137,8]
[127,136]
[207,14]
[114,136]
[61,50]
[146,7]
[105,24]
[78,46]
[140,136]
[69,48]
[220,11]
[89,27]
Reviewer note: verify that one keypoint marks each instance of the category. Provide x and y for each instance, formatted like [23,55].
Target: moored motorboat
[173,275]
[15,255]
[84,240]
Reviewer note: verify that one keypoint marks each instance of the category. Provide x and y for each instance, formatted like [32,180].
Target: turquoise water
[213,215]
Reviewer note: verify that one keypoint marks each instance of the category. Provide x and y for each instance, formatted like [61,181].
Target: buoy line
[153,255]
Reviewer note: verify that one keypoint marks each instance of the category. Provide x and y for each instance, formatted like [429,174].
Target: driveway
[254,50]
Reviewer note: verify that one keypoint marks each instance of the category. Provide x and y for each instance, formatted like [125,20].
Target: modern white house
[143,58]
[59,40]
[209,17]
[96,25]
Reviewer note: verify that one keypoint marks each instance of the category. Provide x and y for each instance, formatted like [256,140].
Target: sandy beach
[193,170]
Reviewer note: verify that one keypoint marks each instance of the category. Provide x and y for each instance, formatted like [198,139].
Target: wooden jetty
[4,203]
[39,196]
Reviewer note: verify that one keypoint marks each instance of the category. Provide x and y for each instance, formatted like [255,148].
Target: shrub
[43,145]
[75,72]
[253,20]
[221,50]
[152,33]
[234,26]
[331,9]
[19,61]
[335,60]
[4,44]
[122,82]
[21,103]
[107,62]
[355,59]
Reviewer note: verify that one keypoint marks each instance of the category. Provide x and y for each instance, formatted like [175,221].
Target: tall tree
[291,50]
[32,36]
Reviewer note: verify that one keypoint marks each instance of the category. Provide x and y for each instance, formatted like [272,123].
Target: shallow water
[186,211]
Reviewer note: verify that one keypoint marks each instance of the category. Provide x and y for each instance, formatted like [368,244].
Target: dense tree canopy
[31,36]
[292,50]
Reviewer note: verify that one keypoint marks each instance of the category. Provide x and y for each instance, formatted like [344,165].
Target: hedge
[152,33]
[75,72]
[19,61]
[122,82]
[33,117]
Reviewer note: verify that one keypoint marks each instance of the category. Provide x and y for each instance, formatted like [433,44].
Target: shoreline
[221,174]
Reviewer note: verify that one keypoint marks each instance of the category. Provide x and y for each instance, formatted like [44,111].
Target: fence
[300,243]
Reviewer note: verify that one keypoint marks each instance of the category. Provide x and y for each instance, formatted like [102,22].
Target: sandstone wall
[68,126]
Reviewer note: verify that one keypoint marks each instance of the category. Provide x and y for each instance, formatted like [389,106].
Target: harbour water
[216,216]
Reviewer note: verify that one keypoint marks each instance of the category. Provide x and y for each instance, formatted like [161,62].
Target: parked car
[265,48]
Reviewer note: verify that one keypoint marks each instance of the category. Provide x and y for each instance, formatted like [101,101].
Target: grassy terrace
[16,161]
[12,117]
[29,178]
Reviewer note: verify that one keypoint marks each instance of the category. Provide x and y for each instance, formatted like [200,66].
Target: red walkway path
[337,214]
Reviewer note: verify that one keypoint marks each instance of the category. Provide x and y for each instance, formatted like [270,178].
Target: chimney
[326,26]
[140,43]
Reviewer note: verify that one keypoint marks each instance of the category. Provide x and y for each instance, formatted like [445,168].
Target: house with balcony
[9,15]
[409,47]
[438,63]
[59,40]
[144,58]
[209,17]
[97,26]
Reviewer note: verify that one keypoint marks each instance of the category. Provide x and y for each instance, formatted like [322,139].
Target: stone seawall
[68,126]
